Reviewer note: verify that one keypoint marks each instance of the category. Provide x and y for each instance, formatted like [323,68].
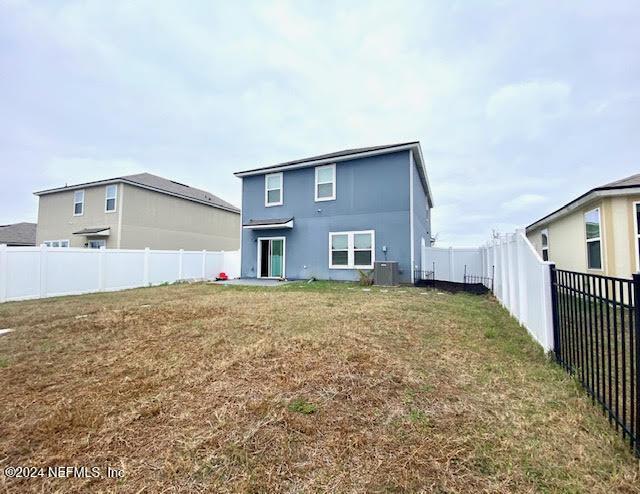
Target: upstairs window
[111,194]
[594,240]
[78,203]
[545,244]
[273,189]
[325,183]
[351,250]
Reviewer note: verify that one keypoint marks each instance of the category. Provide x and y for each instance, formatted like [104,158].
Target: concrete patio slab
[251,282]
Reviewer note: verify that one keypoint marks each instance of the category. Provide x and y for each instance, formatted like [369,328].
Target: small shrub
[4,362]
[490,334]
[366,277]
[301,405]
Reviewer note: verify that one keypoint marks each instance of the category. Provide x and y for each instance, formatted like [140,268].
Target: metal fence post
[554,311]
[636,330]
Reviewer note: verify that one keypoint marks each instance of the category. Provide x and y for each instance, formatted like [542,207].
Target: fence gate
[596,331]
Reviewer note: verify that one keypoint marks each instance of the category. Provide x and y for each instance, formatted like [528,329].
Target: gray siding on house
[372,193]
[421,218]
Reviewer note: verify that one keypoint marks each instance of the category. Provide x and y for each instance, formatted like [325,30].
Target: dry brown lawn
[303,388]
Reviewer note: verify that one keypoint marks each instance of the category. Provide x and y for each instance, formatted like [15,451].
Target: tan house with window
[134,212]
[597,232]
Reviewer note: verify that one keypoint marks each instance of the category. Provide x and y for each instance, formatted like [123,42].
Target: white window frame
[332,182]
[49,243]
[636,236]
[103,243]
[597,239]
[284,259]
[351,250]
[78,202]
[545,231]
[115,198]
[268,204]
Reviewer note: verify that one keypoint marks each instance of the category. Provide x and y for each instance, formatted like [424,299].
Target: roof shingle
[18,234]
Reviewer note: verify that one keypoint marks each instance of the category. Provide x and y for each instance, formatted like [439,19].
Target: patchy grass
[209,388]
[301,405]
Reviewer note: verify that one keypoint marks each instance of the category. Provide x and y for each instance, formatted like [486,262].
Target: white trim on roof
[572,206]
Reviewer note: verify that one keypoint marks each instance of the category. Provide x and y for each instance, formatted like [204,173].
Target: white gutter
[578,203]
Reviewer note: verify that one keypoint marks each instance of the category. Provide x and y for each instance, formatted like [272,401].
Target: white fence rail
[521,279]
[39,272]
[450,264]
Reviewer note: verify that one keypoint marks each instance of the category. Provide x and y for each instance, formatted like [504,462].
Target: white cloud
[505,111]
[523,202]
[528,108]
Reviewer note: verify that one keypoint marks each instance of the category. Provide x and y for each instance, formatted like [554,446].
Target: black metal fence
[597,339]
[471,283]
[472,279]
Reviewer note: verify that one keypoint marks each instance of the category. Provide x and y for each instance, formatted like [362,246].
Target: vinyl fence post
[180,252]
[523,298]
[451,273]
[43,271]
[553,277]
[204,264]
[102,269]
[636,330]
[4,265]
[145,275]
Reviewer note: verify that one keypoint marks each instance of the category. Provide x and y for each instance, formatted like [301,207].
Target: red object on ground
[223,276]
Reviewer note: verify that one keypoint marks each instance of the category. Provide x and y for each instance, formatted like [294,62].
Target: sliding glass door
[271,257]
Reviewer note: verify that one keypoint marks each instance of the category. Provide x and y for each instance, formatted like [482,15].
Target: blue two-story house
[328,216]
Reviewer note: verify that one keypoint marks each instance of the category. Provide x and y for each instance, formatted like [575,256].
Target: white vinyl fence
[39,272]
[521,279]
[449,264]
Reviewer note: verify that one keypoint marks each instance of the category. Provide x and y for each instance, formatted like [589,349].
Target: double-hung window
[111,194]
[594,240]
[352,250]
[78,203]
[545,244]
[273,189]
[325,187]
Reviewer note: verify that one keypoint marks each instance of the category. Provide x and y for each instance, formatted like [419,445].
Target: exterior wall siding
[143,218]
[371,194]
[567,244]
[421,218]
[57,222]
[159,221]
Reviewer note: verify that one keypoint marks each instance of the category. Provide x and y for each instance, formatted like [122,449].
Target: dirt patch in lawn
[296,388]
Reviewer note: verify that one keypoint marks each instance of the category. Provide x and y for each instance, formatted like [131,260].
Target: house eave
[413,147]
[135,184]
[581,201]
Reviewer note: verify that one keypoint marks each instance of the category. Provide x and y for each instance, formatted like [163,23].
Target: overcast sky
[519,107]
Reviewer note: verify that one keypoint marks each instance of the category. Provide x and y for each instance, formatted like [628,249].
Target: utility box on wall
[386,273]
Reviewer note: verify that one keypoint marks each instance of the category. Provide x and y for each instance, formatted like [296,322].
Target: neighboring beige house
[597,232]
[134,212]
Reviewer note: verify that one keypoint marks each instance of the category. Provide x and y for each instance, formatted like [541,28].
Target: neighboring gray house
[18,234]
[329,216]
